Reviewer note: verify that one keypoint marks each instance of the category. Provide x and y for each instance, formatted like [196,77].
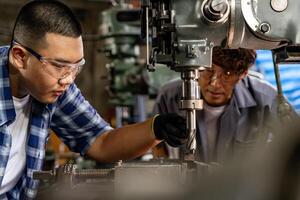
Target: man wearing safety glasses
[238,111]
[37,92]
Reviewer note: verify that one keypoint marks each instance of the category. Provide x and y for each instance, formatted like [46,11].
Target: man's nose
[68,80]
[215,80]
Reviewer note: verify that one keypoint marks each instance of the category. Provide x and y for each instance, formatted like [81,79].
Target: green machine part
[120,31]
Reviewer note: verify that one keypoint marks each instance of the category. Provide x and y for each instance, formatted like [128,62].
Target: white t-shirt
[17,156]
[211,117]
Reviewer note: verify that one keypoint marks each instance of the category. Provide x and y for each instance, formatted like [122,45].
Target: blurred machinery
[181,35]
[130,85]
[131,180]
[120,31]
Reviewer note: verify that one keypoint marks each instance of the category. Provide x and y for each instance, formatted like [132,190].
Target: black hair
[39,17]
[238,60]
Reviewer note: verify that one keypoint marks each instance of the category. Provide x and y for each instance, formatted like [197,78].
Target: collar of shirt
[242,95]
[7,110]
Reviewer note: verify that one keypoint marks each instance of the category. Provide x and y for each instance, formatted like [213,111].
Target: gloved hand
[170,127]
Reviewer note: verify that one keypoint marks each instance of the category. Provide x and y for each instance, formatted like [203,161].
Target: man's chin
[215,99]
[47,100]
[215,102]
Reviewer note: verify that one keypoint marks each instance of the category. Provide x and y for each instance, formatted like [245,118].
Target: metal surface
[215,11]
[249,9]
[190,102]
[150,179]
[284,25]
[68,182]
[131,180]
[279,5]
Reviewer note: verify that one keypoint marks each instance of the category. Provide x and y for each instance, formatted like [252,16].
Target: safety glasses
[56,69]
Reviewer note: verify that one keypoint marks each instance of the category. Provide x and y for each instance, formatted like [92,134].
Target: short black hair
[39,17]
[238,60]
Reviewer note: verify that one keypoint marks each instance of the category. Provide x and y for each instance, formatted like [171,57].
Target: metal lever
[284,109]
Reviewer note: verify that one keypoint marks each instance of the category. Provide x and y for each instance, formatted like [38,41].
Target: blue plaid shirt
[72,118]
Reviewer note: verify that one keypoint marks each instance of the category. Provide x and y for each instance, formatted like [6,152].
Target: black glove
[171,128]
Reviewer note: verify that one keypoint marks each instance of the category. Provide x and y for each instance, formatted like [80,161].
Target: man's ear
[242,75]
[17,57]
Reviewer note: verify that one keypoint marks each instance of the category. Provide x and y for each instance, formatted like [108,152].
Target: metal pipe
[119,116]
[277,74]
[284,109]
[141,108]
[147,37]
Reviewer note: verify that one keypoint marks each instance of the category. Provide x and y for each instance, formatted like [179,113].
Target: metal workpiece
[159,179]
[150,179]
[49,175]
[69,173]
[68,182]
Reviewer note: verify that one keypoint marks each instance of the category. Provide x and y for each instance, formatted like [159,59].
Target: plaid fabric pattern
[72,118]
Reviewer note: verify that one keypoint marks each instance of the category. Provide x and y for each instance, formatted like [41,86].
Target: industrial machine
[182,34]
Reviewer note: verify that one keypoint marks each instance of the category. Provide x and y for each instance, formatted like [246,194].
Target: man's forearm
[123,143]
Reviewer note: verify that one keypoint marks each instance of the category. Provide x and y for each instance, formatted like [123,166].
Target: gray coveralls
[248,117]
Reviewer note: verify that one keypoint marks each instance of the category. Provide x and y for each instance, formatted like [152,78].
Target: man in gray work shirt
[238,110]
